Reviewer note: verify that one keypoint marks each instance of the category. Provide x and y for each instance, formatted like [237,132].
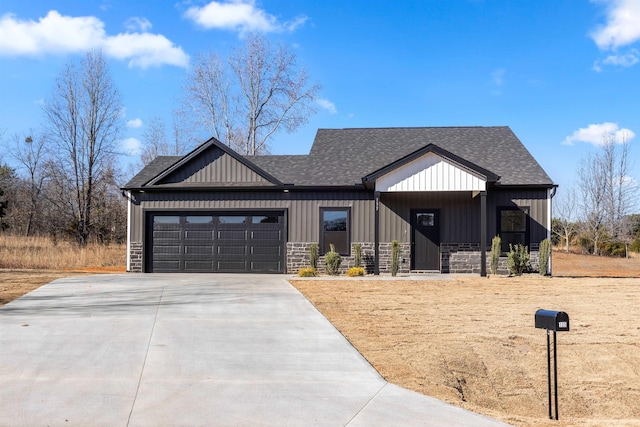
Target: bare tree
[564,211]
[622,190]
[84,116]
[592,179]
[155,142]
[30,154]
[608,192]
[258,91]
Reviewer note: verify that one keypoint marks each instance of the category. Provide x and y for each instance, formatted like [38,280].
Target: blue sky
[560,73]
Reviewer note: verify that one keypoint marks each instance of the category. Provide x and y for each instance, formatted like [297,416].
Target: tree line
[64,179]
[597,214]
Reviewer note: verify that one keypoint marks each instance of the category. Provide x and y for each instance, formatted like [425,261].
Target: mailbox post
[552,321]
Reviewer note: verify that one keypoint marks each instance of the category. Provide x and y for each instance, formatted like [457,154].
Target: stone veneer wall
[385,258]
[465,258]
[135,253]
[298,257]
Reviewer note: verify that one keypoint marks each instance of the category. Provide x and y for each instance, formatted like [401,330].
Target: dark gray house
[443,193]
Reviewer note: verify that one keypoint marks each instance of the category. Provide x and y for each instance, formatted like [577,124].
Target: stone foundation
[460,258]
[385,258]
[298,257]
[135,255]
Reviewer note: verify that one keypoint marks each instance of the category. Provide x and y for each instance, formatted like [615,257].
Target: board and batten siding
[430,173]
[303,209]
[215,167]
[459,215]
[535,200]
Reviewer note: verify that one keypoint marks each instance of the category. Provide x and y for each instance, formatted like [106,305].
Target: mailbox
[552,320]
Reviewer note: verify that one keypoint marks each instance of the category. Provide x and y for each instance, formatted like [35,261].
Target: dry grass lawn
[27,263]
[471,341]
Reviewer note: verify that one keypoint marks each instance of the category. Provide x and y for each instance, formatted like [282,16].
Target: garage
[215,242]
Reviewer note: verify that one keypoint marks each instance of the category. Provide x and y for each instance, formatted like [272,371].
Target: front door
[425,240]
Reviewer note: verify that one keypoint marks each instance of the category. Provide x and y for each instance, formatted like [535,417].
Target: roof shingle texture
[345,156]
[342,157]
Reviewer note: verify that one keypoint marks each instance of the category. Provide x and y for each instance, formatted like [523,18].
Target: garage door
[229,242]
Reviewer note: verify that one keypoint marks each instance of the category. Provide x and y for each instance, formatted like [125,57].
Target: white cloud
[134,123]
[131,146]
[622,27]
[597,134]
[626,60]
[327,105]
[59,34]
[135,23]
[239,15]
[497,76]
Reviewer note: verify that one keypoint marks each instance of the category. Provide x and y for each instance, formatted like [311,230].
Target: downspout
[376,231]
[127,194]
[551,192]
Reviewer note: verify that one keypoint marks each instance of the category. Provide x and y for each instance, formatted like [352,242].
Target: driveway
[208,350]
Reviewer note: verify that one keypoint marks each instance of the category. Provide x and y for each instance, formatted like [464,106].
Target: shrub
[545,254]
[357,255]
[496,249]
[332,260]
[517,259]
[395,257]
[355,271]
[313,255]
[307,272]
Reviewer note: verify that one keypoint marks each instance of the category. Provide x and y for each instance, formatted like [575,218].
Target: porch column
[376,232]
[483,234]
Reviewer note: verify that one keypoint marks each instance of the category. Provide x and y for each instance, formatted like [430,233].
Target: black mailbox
[552,320]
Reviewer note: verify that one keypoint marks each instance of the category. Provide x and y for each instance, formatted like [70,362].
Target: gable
[431,172]
[214,167]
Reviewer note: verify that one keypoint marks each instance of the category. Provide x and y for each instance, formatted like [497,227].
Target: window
[166,219]
[264,219]
[232,219]
[335,229]
[199,219]
[513,226]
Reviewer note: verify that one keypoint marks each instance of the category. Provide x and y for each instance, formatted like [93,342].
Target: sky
[561,74]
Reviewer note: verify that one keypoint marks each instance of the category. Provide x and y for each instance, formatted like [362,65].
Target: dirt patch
[472,342]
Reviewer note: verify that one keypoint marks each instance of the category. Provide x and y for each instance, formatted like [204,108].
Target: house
[442,192]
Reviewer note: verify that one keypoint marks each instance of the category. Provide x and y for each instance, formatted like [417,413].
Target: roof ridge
[419,127]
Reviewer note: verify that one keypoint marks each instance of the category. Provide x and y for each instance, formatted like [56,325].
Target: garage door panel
[231,265]
[266,250]
[166,265]
[216,242]
[266,235]
[166,234]
[232,250]
[166,250]
[198,266]
[232,235]
[199,234]
[266,266]
[198,250]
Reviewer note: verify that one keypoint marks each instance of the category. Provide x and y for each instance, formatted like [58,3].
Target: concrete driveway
[208,350]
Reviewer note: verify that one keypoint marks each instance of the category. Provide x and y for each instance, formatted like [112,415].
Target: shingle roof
[342,157]
[345,156]
[153,169]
